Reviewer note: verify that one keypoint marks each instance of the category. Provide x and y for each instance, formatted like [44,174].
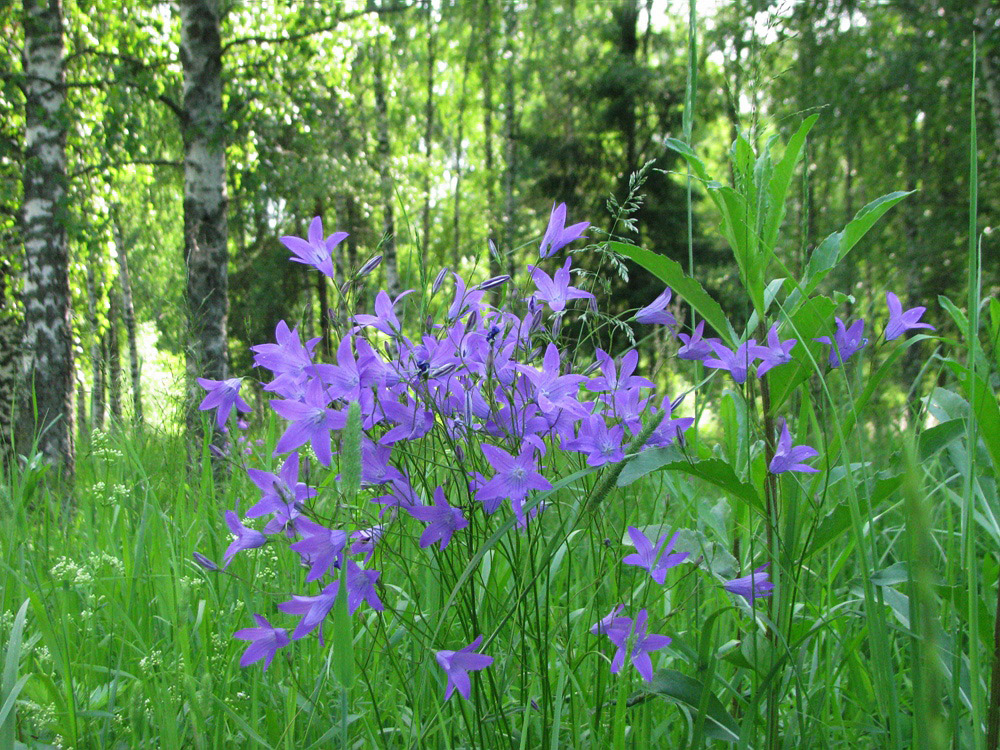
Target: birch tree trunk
[96,353]
[114,360]
[10,346]
[383,160]
[205,199]
[425,243]
[491,192]
[47,364]
[509,134]
[128,316]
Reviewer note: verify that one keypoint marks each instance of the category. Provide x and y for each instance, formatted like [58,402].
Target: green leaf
[810,320]
[781,178]
[984,406]
[678,687]
[713,470]
[939,436]
[671,274]
[837,245]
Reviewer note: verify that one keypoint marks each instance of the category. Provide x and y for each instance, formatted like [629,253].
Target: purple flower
[557,234]
[458,664]
[370,265]
[223,395]
[384,319]
[555,291]
[311,422]
[695,347]
[443,520]
[245,538]
[204,562]
[612,380]
[278,491]
[312,608]
[266,641]
[320,548]
[776,352]
[631,637]
[611,622]
[900,321]
[553,391]
[656,311]
[315,252]
[465,301]
[365,541]
[846,341]
[788,457]
[361,588]
[752,586]
[737,363]
[287,359]
[655,559]
[514,478]
[601,444]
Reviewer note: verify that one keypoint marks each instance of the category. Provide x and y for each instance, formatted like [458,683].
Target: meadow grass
[877,634]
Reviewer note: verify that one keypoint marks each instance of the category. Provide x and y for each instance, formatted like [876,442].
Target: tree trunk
[47,366]
[96,353]
[128,315]
[10,347]
[456,218]
[425,243]
[488,156]
[383,158]
[205,201]
[114,359]
[510,135]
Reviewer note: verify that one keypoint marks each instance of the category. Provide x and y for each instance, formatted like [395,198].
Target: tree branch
[128,162]
[312,32]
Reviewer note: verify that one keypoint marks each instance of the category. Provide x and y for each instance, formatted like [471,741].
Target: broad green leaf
[696,164]
[677,686]
[671,274]
[984,406]
[939,436]
[837,245]
[713,470]
[781,178]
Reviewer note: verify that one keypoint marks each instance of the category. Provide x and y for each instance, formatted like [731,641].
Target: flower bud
[370,265]
[494,282]
[439,280]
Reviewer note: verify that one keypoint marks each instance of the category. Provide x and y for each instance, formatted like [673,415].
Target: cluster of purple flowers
[490,380]
[499,394]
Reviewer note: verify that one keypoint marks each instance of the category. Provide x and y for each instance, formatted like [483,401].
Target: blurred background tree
[427,127]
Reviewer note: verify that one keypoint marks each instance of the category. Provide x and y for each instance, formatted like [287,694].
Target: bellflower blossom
[245,538]
[443,520]
[361,588]
[265,642]
[612,379]
[900,321]
[753,586]
[603,445]
[555,290]
[656,311]
[514,478]
[310,421]
[632,639]
[278,490]
[223,395]
[788,457]
[557,234]
[458,664]
[313,609]
[846,341]
[775,353]
[315,252]
[384,319]
[695,347]
[657,559]
[737,363]
[321,548]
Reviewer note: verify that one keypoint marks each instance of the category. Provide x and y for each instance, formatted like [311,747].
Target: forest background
[426,128]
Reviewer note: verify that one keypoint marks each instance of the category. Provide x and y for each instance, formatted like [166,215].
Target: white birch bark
[46,403]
